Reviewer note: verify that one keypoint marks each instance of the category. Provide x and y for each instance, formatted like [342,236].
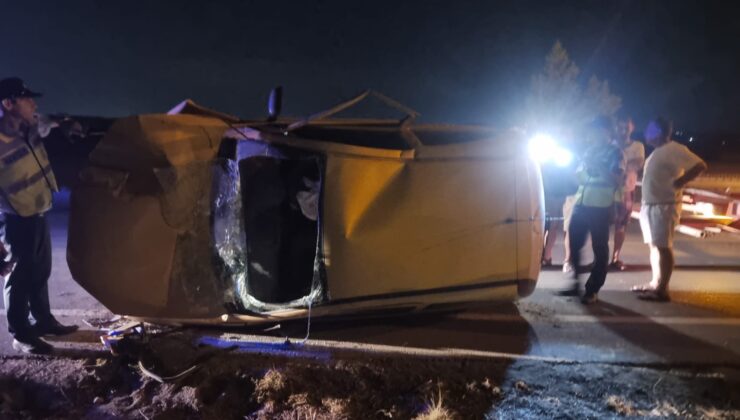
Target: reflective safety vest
[597,192]
[26,178]
[600,188]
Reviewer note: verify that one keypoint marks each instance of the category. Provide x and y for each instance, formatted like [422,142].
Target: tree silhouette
[559,101]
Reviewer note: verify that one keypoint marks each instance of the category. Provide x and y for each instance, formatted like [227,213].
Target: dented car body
[198,217]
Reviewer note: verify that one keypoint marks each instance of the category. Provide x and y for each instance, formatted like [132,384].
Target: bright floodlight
[542,147]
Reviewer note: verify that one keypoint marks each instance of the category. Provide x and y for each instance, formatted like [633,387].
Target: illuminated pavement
[701,326]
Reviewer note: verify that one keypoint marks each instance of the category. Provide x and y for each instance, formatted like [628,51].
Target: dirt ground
[175,376]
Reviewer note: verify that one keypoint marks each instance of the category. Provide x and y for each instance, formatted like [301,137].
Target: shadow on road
[431,331]
[635,268]
[671,345]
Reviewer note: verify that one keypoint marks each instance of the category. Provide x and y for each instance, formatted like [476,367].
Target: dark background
[462,61]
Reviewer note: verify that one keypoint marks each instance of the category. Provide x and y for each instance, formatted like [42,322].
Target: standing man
[26,186]
[600,177]
[667,171]
[634,156]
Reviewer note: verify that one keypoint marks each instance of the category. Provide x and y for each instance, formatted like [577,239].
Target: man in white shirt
[634,156]
[667,171]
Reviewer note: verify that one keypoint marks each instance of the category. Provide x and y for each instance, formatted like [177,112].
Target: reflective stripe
[15,156]
[25,183]
[26,176]
[10,147]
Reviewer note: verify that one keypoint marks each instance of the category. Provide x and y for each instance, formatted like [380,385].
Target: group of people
[603,194]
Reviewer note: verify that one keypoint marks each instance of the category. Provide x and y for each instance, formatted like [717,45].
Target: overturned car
[198,217]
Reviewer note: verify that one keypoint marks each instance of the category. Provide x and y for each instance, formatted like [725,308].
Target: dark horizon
[469,62]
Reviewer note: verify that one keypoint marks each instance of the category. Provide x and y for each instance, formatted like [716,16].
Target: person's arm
[636,162]
[690,175]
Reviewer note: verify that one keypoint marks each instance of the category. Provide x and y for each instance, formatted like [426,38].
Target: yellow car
[196,217]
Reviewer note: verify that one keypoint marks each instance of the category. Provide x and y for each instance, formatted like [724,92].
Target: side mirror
[275,103]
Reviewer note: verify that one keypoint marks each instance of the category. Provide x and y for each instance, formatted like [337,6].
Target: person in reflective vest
[26,185]
[601,179]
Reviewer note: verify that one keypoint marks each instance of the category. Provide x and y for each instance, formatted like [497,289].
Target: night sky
[462,61]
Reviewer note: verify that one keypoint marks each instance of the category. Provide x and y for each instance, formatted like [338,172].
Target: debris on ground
[104,323]
[620,406]
[522,386]
[228,383]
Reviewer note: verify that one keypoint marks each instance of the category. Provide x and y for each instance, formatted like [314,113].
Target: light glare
[543,148]
[563,157]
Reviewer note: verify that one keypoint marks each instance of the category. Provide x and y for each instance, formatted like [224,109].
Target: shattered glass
[202,201]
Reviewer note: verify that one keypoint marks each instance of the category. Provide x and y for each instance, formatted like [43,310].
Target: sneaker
[567,267]
[54,328]
[589,298]
[547,262]
[32,345]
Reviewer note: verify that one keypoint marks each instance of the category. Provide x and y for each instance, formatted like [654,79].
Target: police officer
[601,178]
[26,186]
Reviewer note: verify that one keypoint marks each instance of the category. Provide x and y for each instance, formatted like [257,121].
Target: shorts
[658,222]
[624,210]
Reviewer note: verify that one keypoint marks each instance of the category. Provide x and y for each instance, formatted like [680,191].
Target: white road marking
[590,319]
[331,345]
[77,313]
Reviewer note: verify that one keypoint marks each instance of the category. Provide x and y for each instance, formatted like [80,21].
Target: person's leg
[45,323]
[578,229]
[661,262]
[552,236]
[576,238]
[662,221]
[567,215]
[647,236]
[654,266]
[599,227]
[620,228]
[18,283]
[671,217]
[665,265]
[620,231]
[39,293]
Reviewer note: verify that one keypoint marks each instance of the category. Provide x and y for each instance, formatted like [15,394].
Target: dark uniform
[26,186]
[600,188]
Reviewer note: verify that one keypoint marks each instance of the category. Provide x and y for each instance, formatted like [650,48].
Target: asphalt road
[701,326]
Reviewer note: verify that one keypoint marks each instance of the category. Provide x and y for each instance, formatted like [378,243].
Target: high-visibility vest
[601,188]
[26,178]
